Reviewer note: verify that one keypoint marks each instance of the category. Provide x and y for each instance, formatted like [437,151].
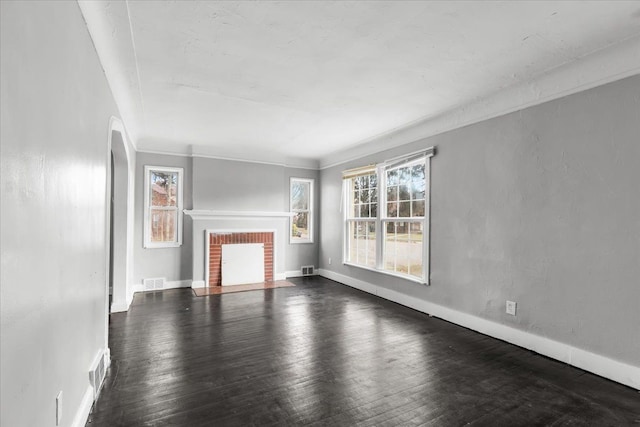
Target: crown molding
[604,66]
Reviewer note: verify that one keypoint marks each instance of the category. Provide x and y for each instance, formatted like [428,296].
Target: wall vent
[307,270]
[97,374]
[153,284]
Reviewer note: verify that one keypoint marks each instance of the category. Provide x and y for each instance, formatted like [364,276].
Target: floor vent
[97,374]
[153,284]
[307,270]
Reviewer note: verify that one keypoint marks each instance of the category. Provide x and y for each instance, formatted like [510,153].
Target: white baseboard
[298,273]
[82,414]
[197,284]
[614,370]
[120,306]
[177,284]
[168,284]
[280,276]
[293,273]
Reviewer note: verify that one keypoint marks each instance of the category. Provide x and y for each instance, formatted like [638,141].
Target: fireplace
[216,239]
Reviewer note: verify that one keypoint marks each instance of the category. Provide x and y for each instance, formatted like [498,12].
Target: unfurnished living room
[328,213]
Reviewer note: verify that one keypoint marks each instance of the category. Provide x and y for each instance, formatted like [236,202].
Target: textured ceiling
[289,81]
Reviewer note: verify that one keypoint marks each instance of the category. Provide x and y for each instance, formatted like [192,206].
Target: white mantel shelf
[197,214]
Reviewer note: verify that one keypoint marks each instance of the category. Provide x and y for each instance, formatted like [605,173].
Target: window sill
[300,242]
[389,273]
[162,245]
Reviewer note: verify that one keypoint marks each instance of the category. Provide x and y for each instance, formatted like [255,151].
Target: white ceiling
[294,82]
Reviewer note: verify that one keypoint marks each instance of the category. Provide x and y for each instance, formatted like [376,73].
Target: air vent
[97,374]
[153,284]
[307,270]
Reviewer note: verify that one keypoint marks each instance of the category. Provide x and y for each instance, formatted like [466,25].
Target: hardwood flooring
[321,353]
[217,290]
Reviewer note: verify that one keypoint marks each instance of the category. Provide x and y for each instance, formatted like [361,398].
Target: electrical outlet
[329,260]
[59,408]
[511,308]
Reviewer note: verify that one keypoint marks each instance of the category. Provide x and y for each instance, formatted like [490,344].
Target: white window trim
[311,221]
[148,244]
[380,170]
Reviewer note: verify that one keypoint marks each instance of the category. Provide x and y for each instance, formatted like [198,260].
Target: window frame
[148,244]
[382,219]
[309,211]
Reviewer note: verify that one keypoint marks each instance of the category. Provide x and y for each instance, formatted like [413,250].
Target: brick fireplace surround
[217,239]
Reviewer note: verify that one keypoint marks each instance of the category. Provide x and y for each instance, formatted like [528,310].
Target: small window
[301,208]
[387,216]
[162,207]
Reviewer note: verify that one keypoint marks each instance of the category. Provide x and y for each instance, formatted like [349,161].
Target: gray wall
[55,110]
[221,185]
[171,263]
[541,207]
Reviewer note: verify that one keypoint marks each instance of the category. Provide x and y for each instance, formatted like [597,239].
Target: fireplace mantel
[198,214]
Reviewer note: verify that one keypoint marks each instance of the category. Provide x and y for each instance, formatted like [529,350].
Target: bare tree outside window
[301,201]
[163,204]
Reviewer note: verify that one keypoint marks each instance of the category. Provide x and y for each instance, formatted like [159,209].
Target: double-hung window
[362,213]
[162,207]
[387,216]
[301,206]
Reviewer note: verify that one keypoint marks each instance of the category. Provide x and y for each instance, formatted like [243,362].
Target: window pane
[364,196]
[362,243]
[373,195]
[417,208]
[373,181]
[392,194]
[403,192]
[164,188]
[392,209]
[364,210]
[300,195]
[300,226]
[405,175]
[417,189]
[417,172]
[403,248]
[392,177]
[404,209]
[163,225]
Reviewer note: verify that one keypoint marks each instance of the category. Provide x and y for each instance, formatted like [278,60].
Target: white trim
[309,211]
[168,284]
[198,284]
[210,214]
[280,276]
[207,248]
[298,273]
[84,409]
[120,306]
[598,68]
[305,163]
[148,244]
[614,370]
[387,272]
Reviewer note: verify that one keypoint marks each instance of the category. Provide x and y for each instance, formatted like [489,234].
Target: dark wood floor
[321,353]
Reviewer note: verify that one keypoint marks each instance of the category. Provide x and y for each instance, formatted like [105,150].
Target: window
[386,223]
[301,208]
[362,217]
[162,207]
